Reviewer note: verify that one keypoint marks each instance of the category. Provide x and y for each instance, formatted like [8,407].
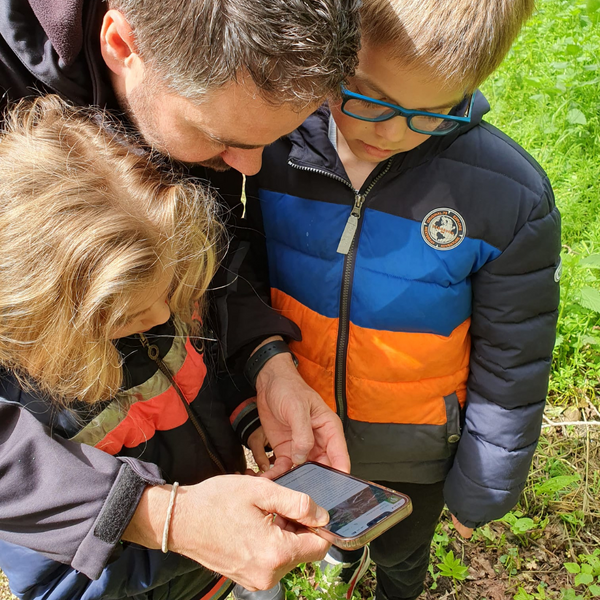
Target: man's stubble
[141,112]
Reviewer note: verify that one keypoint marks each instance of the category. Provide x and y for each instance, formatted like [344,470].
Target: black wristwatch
[257,361]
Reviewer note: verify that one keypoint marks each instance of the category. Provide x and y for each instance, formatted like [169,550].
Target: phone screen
[353,505]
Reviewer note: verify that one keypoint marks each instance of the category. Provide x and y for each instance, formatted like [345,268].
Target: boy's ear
[117,43]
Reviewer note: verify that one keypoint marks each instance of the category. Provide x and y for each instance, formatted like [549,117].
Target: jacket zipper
[346,246]
[153,354]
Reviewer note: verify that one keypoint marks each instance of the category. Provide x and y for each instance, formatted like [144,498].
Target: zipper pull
[351,226]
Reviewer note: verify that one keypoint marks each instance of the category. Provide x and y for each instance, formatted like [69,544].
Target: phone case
[352,543]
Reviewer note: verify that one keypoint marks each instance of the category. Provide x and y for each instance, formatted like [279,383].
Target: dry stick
[581,423]
[587,468]
[582,544]
[543,547]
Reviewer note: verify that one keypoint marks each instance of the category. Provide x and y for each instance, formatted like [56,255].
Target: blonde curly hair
[87,221]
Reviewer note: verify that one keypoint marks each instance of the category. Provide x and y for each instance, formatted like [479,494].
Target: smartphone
[359,510]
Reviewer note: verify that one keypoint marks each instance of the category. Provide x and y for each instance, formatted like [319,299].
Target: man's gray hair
[293,50]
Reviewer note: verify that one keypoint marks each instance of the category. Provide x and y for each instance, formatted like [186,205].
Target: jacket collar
[311,147]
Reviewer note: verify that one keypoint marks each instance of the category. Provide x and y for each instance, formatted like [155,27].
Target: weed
[538,594]
[520,526]
[587,572]
[511,561]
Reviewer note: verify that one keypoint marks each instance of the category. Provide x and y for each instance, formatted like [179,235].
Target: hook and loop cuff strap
[258,360]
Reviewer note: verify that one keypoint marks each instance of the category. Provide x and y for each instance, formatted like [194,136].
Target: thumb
[294,506]
[303,438]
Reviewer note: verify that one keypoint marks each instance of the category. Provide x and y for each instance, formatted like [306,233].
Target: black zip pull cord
[154,354]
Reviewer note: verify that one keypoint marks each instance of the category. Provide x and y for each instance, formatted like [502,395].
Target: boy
[417,248]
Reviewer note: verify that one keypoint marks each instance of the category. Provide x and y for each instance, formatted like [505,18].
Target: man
[208,83]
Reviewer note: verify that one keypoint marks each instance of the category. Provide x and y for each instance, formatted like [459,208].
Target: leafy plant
[511,561]
[556,484]
[539,594]
[453,567]
[587,572]
[520,525]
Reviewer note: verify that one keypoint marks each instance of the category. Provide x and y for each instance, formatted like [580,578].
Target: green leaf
[569,594]
[523,595]
[594,590]
[523,525]
[453,567]
[572,567]
[584,578]
[555,484]
[593,8]
[591,262]
[589,298]
[586,569]
[594,561]
[509,518]
[591,340]
[576,117]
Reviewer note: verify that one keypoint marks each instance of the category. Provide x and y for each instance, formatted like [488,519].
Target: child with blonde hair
[417,248]
[105,261]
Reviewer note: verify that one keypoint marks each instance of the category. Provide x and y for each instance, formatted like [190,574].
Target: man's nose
[393,129]
[247,162]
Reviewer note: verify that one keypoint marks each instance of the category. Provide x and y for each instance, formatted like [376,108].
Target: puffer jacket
[427,302]
[72,477]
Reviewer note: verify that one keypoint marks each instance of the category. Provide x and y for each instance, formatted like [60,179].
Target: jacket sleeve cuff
[245,420]
[471,503]
[121,503]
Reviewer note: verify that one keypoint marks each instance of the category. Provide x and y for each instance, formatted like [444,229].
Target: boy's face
[382,78]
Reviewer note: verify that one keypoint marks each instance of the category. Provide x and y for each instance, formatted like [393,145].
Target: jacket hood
[63,24]
[57,41]
[310,145]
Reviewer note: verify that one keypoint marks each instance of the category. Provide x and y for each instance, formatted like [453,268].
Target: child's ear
[118,47]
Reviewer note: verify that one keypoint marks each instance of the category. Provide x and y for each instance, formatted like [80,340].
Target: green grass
[546,96]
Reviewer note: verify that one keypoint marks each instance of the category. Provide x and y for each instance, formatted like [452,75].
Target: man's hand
[227,524]
[466,532]
[257,442]
[296,420]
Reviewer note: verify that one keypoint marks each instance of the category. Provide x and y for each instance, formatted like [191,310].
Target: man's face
[229,128]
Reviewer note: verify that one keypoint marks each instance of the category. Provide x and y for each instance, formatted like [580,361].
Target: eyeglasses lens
[431,124]
[366,110]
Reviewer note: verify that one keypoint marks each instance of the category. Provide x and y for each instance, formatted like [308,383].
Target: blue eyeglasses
[368,109]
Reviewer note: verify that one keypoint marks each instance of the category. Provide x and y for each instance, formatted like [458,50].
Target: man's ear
[117,43]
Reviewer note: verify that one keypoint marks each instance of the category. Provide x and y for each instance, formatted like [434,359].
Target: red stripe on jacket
[158,413]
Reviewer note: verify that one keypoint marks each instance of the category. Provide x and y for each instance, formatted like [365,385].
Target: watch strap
[257,361]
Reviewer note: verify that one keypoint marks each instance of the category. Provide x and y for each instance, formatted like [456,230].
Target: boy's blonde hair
[86,222]
[459,42]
